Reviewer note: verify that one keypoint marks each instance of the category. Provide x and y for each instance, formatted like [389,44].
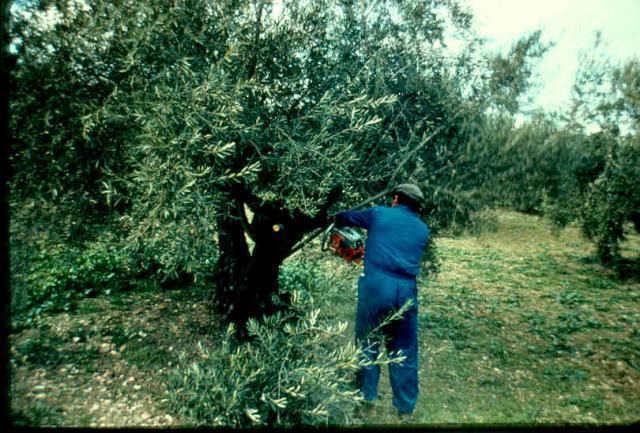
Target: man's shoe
[405,418]
[368,409]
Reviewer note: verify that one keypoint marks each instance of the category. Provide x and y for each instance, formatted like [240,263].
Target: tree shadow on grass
[628,269]
[625,269]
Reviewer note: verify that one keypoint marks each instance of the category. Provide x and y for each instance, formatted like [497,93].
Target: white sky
[571,24]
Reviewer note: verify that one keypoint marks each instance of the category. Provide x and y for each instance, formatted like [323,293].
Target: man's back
[396,238]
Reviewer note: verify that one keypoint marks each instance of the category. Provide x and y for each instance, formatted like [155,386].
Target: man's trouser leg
[367,377]
[404,376]
[378,294]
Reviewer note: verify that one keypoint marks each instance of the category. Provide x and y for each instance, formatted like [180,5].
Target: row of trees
[189,129]
[581,166]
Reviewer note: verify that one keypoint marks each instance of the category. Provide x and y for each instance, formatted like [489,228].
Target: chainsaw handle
[324,244]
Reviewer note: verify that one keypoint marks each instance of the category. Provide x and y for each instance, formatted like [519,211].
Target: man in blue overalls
[396,239]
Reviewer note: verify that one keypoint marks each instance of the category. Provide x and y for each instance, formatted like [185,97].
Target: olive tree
[288,112]
[242,124]
[600,191]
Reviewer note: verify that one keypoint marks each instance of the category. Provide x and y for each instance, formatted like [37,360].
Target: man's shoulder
[402,213]
[417,221]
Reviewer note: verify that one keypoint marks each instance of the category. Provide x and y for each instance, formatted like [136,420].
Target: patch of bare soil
[106,364]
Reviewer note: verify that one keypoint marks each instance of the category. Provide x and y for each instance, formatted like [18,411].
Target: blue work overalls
[396,239]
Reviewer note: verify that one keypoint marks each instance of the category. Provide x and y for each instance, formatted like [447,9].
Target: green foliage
[599,188]
[612,200]
[179,253]
[55,81]
[37,415]
[431,260]
[162,122]
[522,166]
[605,93]
[625,82]
[180,103]
[303,275]
[53,277]
[553,166]
[295,370]
[599,191]
[512,73]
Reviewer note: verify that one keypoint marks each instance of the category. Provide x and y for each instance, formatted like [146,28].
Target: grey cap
[410,190]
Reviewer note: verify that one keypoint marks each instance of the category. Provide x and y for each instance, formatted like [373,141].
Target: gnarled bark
[245,282]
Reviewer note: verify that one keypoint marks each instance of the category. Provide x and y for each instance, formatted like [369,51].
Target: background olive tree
[600,183]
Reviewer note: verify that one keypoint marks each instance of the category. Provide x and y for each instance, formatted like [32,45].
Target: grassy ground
[521,326]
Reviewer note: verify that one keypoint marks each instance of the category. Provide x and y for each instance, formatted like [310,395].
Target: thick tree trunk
[229,276]
[254,297]
[245,283]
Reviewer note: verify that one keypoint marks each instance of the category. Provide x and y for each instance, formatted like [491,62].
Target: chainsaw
[344,242]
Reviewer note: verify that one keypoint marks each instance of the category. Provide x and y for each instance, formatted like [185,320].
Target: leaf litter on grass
[528,316]
[101,366]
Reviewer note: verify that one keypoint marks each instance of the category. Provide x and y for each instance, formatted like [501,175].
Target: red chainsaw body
[346,243]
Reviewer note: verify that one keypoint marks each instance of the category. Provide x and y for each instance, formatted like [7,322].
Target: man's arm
[360,218]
